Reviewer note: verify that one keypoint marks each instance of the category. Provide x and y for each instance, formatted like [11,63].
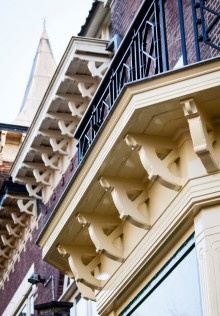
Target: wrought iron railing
[147,49]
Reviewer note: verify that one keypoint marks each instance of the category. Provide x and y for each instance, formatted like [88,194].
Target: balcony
[150,130]
[158,41]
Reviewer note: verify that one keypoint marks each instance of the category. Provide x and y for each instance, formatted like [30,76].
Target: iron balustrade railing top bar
[144,52]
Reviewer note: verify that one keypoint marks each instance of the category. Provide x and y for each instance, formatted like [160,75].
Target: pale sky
[21,26]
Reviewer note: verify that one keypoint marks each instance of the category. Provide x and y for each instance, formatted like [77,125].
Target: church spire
[41,73]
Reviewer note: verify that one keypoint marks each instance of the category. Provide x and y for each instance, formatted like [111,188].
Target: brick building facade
[127,190]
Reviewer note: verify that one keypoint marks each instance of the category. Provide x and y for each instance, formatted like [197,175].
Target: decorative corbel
[78,111]
[4,253]
[60,146]
[130,197]
[16,231]
[86,292]
[20,220]
[202,133]
[97,72]
[3,139]
[49,133]
[51,161]
[104,230]
[157,154]
[70,97]
[83,260]
[42,176]
[59,116]
[68,129]
[2,266]
[8,242]
[34,165]
[22,137]
[30,208]
[35,191]
[42,149]
[87,92]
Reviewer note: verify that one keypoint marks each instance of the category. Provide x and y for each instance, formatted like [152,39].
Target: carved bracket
[104,230]
[42,176]
[86,292]
[157,154]
[4,253]
[51,161]
[87,92]
[68,129]
[2,266]
[97,72]
[29,208]
[8,242]
[77,110]
[3,139]
[82,261]
[20,220]
[14,231]
[130,197]
[60,146]
[35,191]
[202,133]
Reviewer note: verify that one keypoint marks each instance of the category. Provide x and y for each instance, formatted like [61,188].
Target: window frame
[27,302]
[160,276]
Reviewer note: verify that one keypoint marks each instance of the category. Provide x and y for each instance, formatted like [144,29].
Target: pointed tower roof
[42,71]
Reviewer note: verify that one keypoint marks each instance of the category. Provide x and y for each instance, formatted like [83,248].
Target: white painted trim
[20,294]
[179,64]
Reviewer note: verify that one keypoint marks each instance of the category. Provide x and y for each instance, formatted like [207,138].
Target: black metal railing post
[182,32]
[163,36]
[195,23]
[144,53]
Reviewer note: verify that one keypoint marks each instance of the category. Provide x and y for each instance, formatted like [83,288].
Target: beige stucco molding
[135,97]
[201,129]
[182,210]
[106,233]
[3,139]
[64,103]
[151,116]
[157,154]
[130,198]
[82,261]
[17,236]
[207,233]
[30,207]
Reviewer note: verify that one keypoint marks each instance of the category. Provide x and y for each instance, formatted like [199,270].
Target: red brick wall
[32,254]
[58,191]
[123,12]
[4,169]
[173,32]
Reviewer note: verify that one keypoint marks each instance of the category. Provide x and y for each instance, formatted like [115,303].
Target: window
[27,308]
[83,307]
[174,291]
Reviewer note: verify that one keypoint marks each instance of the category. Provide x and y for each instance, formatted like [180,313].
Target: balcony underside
[152,166]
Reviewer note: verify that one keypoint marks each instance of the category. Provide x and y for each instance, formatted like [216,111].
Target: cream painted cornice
[47,100]
[69,93]
[197,194]
[156,142]
[169,86]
